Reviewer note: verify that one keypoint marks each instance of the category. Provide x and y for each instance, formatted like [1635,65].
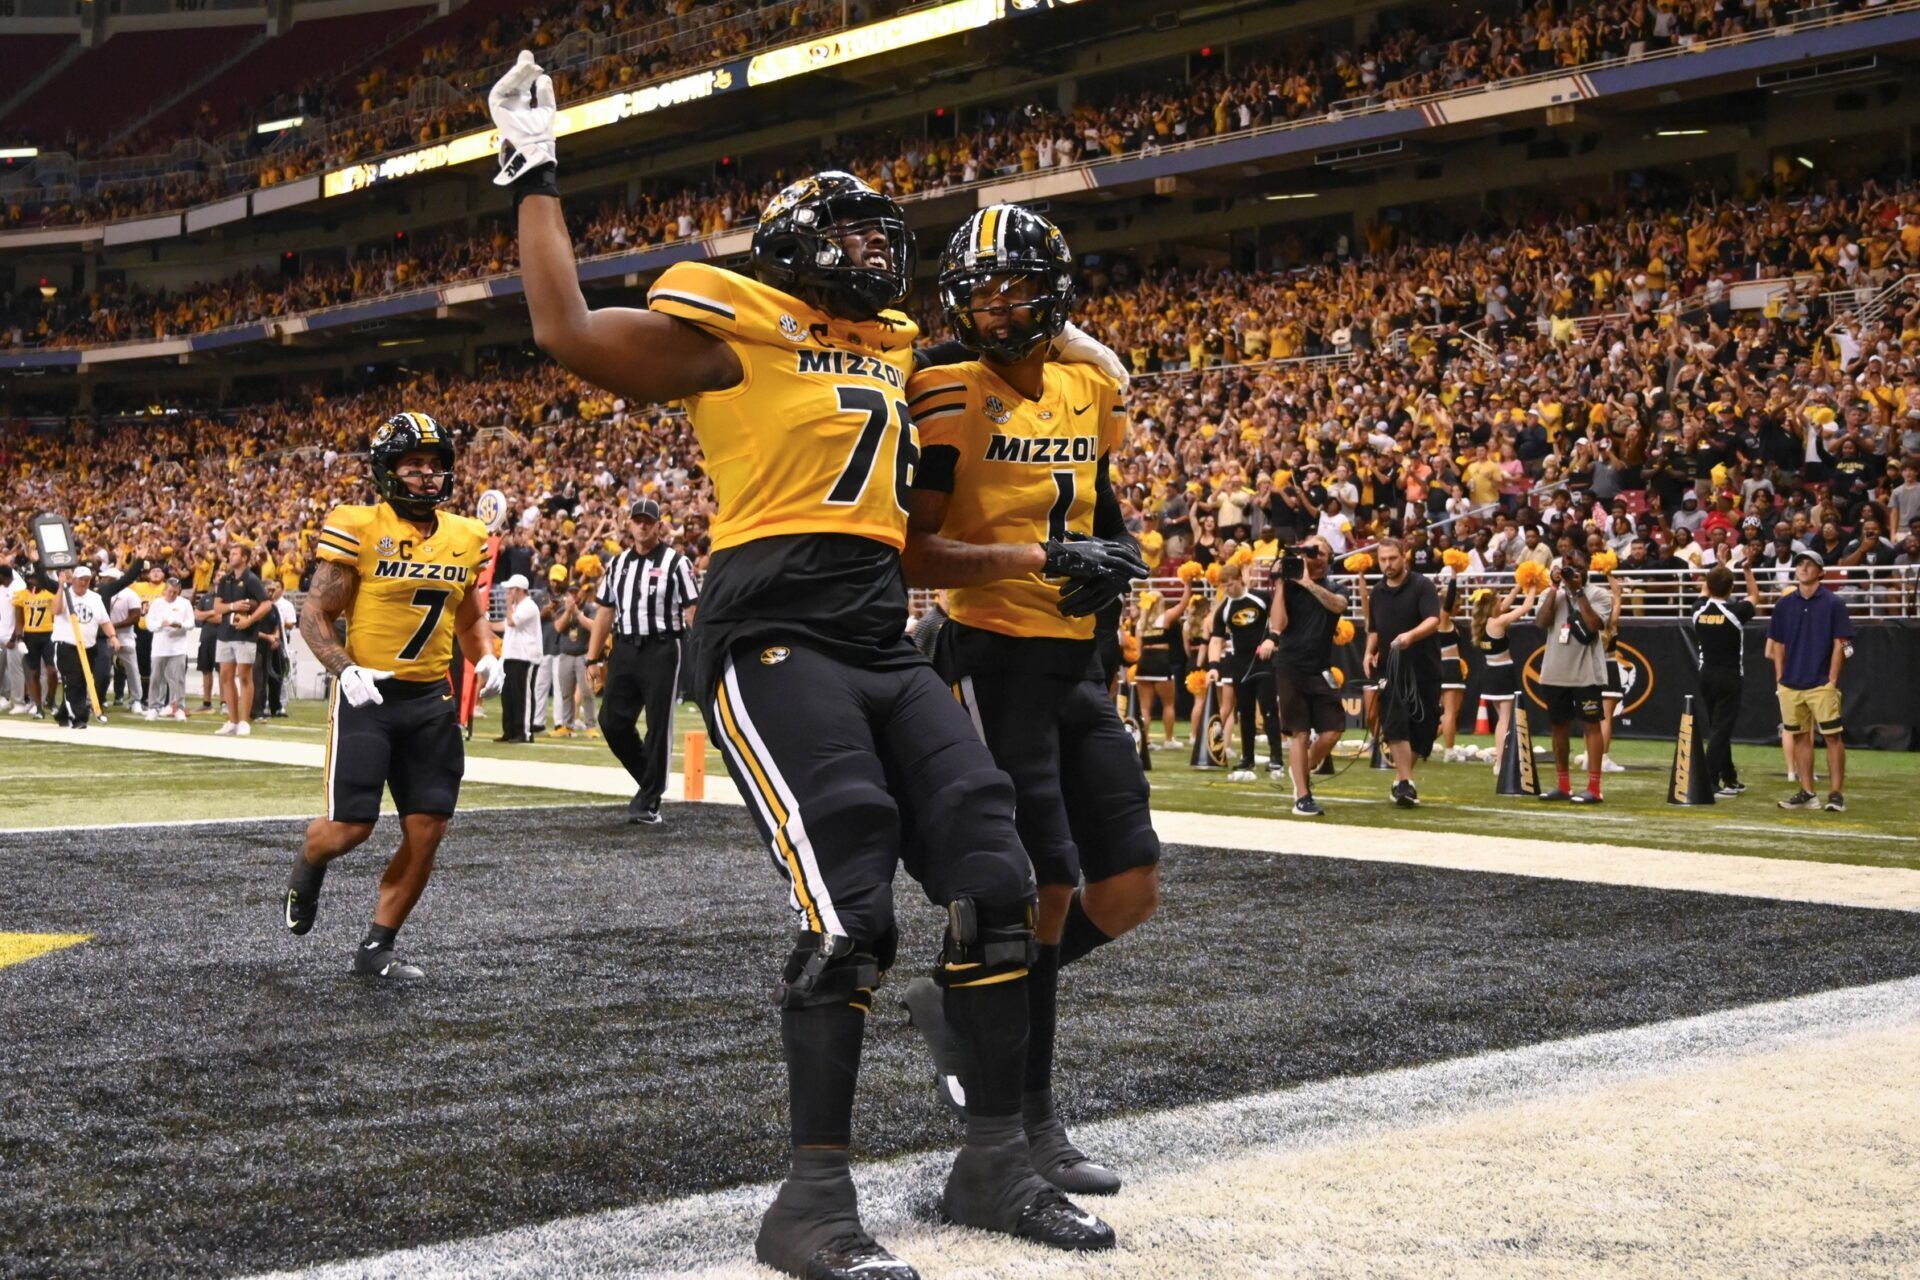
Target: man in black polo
[1719,640]
[646,603]
[1808,639]
[1403,614]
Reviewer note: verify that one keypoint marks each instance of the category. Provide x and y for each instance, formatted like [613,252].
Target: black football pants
[643,675]
[1720,698]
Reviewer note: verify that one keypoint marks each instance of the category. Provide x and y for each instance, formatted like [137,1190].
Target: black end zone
[195,1090]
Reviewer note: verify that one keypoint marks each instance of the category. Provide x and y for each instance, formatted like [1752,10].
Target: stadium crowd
[1552,260]
[1407,57]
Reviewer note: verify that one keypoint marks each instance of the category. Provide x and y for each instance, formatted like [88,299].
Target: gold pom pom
[1343,631]
[1358,562]
[1339,676]
[1196,683]
[1531,576]
[1456,559]
[1604,562]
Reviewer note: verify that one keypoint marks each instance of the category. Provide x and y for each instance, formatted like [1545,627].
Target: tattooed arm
[329,596]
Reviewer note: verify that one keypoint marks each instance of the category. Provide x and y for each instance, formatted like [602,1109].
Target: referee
[646,602]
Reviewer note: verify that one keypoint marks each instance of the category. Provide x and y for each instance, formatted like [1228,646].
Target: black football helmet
[797,246]
[1007,242]
[398,436]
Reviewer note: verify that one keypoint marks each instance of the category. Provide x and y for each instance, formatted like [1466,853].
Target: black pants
[143,655]
[1256,689]
[1720,702]
[516,701]
[642,676]
[267,680]
[74,707]
[104,669]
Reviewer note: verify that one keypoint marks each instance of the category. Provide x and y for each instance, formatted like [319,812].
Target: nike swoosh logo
[1083,408]
[291,922]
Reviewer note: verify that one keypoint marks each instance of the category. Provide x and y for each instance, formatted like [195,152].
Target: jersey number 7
[859,469]
[434,601]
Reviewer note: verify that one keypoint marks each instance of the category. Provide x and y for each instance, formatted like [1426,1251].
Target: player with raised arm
[401,573]
[1015,453]
[831,723]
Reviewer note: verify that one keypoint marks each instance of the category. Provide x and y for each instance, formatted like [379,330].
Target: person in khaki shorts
[1807,640]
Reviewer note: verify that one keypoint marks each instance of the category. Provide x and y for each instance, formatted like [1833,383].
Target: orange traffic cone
[1482,723]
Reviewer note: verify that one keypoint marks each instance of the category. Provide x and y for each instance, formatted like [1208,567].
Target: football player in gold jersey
[831,723]
[401,572]
[1015,453]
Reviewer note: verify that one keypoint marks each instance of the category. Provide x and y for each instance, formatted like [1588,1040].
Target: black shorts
[837,761]
[1614,687]
[1308,704]
[1156,663]
[206,661]
[1567,703]
[1080,796]
[410,743]
[1419,725]
[39,649]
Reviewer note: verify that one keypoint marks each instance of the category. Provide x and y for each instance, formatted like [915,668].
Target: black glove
[1099,571]
[1080,557]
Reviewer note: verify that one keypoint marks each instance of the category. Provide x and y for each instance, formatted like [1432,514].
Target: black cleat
[380,962]
[925,1004]
[1405,796]
[1801,799]
[1836,803]
[301,902]
[993,1187]
[644,818]
[1066,1166]
[812,1230]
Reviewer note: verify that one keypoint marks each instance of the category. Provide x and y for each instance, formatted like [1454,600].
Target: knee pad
[824,969]
[986,944]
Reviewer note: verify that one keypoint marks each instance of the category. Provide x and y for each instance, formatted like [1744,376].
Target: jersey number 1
[434,601]
[859,469]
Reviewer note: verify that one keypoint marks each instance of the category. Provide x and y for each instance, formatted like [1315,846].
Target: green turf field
[1880,828]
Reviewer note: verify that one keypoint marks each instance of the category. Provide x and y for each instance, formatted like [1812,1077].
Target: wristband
[541,180]
[1274,636]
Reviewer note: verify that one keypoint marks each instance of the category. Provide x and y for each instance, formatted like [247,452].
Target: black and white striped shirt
[649,594]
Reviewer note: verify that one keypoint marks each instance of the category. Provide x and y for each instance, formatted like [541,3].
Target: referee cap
[644,509]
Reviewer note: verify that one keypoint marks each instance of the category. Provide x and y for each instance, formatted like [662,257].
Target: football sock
[1081,934]
[379,938]
[991,1021]
[306,877]
[1043,993]
[822,1046]
[1566,781]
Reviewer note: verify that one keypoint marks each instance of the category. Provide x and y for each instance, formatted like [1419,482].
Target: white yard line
[1563,1148]
[1779,878]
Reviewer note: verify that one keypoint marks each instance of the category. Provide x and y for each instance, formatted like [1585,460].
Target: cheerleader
[1501,684]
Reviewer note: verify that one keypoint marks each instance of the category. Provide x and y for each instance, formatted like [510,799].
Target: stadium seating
[308,51]
[140,67]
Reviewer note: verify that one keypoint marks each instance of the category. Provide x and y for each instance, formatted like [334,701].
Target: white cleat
[227,729]
[243,730]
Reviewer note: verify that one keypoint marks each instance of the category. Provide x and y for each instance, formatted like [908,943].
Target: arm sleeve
[339,539]
[1108,520]
[938,400]
[697,292]
[935,354]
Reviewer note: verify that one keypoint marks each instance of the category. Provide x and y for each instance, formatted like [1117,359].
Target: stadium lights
[1296,195]
[1678,133]
[802,58]
[279,126]
[18,153]
[1806,163]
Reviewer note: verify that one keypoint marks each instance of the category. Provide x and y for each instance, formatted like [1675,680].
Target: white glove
[522,107]
[356,685]
[1074,346]
[491,673]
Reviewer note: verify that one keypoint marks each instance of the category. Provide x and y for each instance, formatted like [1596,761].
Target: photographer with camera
[1299,642]
[1573,617]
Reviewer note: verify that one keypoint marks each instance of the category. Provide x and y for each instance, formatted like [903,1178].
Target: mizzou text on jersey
[411,585]
[1017,470]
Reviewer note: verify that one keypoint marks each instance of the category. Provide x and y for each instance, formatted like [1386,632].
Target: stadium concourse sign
[802,58]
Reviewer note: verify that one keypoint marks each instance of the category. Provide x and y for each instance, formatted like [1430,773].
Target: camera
[1292,567]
